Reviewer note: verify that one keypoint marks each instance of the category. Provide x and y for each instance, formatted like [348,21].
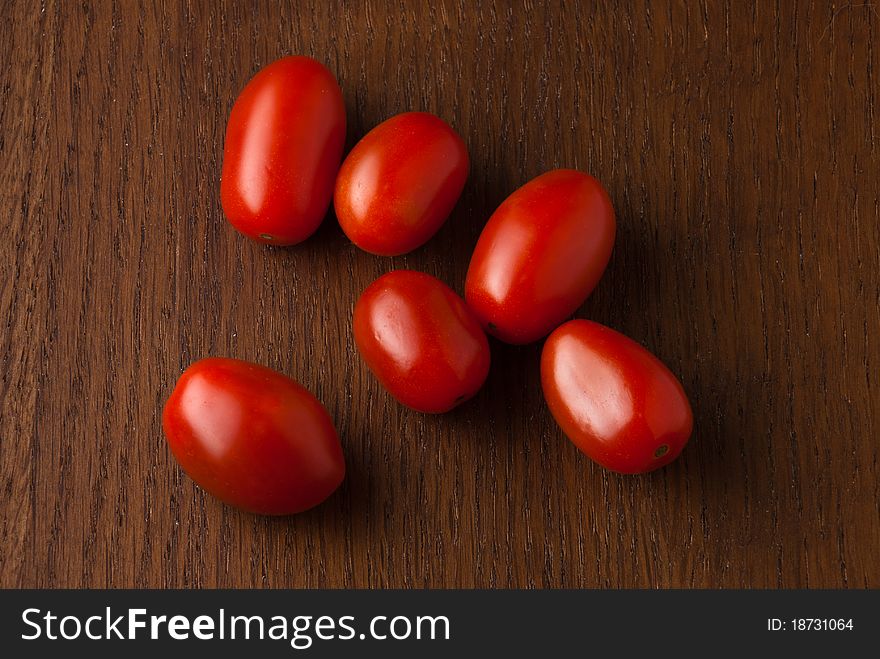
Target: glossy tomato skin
[400,183]
[253,437]
[614,400]
[284,142]
[421,341]
[540,255]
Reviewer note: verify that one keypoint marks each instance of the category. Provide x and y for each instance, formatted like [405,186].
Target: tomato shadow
[331,526]
[667,290]
[510,401]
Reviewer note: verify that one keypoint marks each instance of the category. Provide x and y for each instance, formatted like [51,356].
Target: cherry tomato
[421,341]
[253,437]
[540,255]
[283,146]
[400,182]
[616,401]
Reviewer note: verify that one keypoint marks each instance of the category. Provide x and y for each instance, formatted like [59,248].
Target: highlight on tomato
[253,437]
[284,142]
[615,401]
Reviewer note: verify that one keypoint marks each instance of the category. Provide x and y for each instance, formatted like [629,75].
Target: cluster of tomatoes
[260,441]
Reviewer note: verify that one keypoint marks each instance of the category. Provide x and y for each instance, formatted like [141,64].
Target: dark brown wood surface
[741,147]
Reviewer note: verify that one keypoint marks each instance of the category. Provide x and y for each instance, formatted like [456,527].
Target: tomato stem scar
[267,236]
[662,450]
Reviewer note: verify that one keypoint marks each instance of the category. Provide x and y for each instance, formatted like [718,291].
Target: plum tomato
[284,142]
[400,182]
[421,341]
[540,255]
[614,400]
[253,437]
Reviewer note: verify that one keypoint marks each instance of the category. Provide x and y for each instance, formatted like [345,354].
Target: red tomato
[540,255]
[253,437]
[616,401]
[400,182]
[421,341]
[284,142]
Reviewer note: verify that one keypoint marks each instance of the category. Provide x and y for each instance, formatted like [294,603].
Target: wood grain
[740,146]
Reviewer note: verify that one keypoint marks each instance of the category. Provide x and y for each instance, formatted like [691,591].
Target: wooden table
[741,147]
